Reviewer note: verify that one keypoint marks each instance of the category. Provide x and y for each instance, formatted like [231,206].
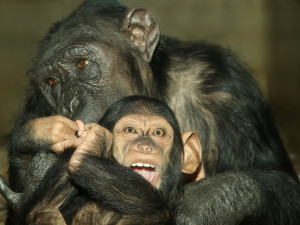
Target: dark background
[265,33]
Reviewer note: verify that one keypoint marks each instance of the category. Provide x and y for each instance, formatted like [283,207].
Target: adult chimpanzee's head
[97,55]
[147,138]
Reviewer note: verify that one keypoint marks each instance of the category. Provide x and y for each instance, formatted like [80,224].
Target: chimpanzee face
[84,67]
[80,82]
[90,60]
[144,142]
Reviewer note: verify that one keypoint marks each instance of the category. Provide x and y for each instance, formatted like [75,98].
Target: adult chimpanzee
[104,51]
[143,136]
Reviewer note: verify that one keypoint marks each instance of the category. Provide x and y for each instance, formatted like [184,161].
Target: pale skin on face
[127,151]
[138,138]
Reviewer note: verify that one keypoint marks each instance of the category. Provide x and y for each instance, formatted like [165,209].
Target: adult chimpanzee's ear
[141,28]
[192,158]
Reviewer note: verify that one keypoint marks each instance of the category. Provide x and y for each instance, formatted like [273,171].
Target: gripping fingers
[60,147]
[80,127]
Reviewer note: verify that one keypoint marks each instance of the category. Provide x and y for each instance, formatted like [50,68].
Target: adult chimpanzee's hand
[72,141]
[53,130]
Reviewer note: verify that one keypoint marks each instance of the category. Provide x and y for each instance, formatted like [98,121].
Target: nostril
[74,104]
[144,147]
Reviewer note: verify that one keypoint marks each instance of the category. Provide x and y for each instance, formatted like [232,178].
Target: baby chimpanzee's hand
[94,140]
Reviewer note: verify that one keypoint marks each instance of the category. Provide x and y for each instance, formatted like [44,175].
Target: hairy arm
[117,187]
[250,197]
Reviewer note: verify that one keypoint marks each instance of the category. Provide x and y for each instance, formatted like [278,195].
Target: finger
[69,135]
[90,126]
[80,127]
[73,125]
[70,123]
[84,134]
[63,145]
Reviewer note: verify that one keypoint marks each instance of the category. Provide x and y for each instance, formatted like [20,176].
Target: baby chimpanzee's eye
[158,132]
[130,130]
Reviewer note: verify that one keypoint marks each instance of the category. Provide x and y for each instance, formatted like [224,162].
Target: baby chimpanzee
[126,171]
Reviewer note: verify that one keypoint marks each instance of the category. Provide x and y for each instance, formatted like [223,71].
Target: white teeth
[142,165]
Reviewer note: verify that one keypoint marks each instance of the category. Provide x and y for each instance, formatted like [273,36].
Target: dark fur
[119,193]
[207,87]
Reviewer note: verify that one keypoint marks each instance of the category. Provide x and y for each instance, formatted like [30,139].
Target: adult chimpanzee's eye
[52,81]
[130,130]
[82,63]
[158,132]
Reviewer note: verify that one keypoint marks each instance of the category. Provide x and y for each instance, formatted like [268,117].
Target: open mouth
[146,170]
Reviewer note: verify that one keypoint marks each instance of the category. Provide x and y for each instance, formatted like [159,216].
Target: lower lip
[147,172]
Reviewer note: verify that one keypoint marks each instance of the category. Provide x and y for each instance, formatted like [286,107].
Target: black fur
[207,87]
[114,187]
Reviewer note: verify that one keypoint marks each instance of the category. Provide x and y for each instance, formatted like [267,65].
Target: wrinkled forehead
[143,120]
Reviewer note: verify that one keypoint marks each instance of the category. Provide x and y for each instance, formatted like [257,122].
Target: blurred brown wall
[265,33]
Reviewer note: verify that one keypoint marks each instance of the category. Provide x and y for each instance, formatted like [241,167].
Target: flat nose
[70,99]
[73,104]
[69,103]
[144,147]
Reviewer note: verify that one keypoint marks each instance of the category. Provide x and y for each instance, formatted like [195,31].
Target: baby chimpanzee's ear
[192,156]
